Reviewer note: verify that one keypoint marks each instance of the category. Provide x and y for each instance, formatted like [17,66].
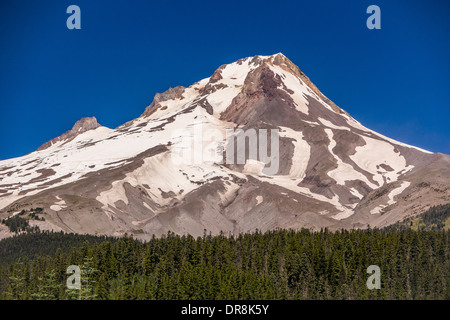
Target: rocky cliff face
[81,126]
[170,94]
[332,171]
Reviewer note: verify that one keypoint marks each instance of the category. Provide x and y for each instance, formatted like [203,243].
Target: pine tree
[48,287]
[17,285]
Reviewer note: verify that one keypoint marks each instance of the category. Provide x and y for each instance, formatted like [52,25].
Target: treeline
[19,222]
[434,219]
[35,243]
[273,265]
[437,217]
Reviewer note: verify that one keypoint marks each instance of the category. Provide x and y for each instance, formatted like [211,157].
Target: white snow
[293,83]
[253,167]
[311,122]
[302,152]
[94,150]
[160,172]
[292,184]
[169,107]
[259,199]
[230,191]
[358,125]
[233,76]
[364,159]
[344,171]
[356,193]
[345,213]
[398,191]
[391,195]
[58,206]
[111,196]
[147,206]
[331,125]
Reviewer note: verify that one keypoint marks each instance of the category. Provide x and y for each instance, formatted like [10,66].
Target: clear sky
[395,80]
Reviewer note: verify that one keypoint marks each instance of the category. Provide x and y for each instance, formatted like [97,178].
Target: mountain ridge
[332,171]
[81,126]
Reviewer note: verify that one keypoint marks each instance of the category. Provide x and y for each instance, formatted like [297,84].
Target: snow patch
[295,85]
[391,195]
[344,171]
[253,166]
[356,124]
[114,194]
[147,206]
[329,124]
[58,206]
[364,158]
[302,152]
[259,199]
[233,77]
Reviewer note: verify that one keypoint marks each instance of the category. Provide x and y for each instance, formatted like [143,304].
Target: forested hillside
[274,265]
[28,246]
[435,218]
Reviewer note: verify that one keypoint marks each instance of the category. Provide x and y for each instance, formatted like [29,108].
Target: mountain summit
[81,126]
[331,170]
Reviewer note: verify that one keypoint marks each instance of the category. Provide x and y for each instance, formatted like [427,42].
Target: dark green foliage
[273,265]
[16,224]
[42,243]
[19,222]
[436,218]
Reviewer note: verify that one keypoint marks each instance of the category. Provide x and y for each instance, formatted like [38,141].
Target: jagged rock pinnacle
[81,126]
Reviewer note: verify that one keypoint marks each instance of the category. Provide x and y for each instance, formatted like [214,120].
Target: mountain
[180,166]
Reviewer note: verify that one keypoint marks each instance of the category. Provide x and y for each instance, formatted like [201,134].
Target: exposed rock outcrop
[81,126]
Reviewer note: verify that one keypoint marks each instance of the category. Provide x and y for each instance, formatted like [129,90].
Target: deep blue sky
[395,80]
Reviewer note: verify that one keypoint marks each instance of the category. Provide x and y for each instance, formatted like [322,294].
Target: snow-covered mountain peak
[333,171]
[81,126]
[85,124]
[217,92]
